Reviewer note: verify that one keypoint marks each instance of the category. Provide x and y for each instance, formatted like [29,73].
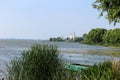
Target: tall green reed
[40,62]
[102,71]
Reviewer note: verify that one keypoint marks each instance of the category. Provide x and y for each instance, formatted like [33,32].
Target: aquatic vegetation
[102,71]
[41,62]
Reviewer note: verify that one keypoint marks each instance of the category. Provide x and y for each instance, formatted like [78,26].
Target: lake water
[75,53]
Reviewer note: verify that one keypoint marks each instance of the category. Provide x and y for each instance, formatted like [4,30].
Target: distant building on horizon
[72,36]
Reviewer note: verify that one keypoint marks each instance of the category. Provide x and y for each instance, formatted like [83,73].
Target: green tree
[112,37]
[110,7]
[115,36]
[58,39]
[78,39]
[85,39]
[96,35]
[106,37]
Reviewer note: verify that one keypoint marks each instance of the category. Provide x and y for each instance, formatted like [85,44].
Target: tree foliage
[115,36]
[110,7]
[58,39]
[85,39]
[106,37]
[78,39]
[95,35]
[112,37]
[103,36]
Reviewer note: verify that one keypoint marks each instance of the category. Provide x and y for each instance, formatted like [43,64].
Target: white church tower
[72,36]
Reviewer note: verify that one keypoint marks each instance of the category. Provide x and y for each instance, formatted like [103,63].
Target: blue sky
[42,19]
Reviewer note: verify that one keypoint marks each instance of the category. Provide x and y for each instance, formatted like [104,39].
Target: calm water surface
[70,52]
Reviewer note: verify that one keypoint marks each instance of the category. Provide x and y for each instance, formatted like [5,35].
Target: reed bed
[41,62]
[102,71]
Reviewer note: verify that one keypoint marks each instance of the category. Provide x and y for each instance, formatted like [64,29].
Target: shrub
[41,62]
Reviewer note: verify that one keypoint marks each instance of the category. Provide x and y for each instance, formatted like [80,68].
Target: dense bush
[41,62]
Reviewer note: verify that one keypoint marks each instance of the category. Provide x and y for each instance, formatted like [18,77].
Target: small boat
[75,67]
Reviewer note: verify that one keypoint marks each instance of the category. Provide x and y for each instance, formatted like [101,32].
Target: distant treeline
[98,36]
[60,39]
[103,37]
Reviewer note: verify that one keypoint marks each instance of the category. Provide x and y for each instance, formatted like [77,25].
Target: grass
[41,62]
[102,71]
